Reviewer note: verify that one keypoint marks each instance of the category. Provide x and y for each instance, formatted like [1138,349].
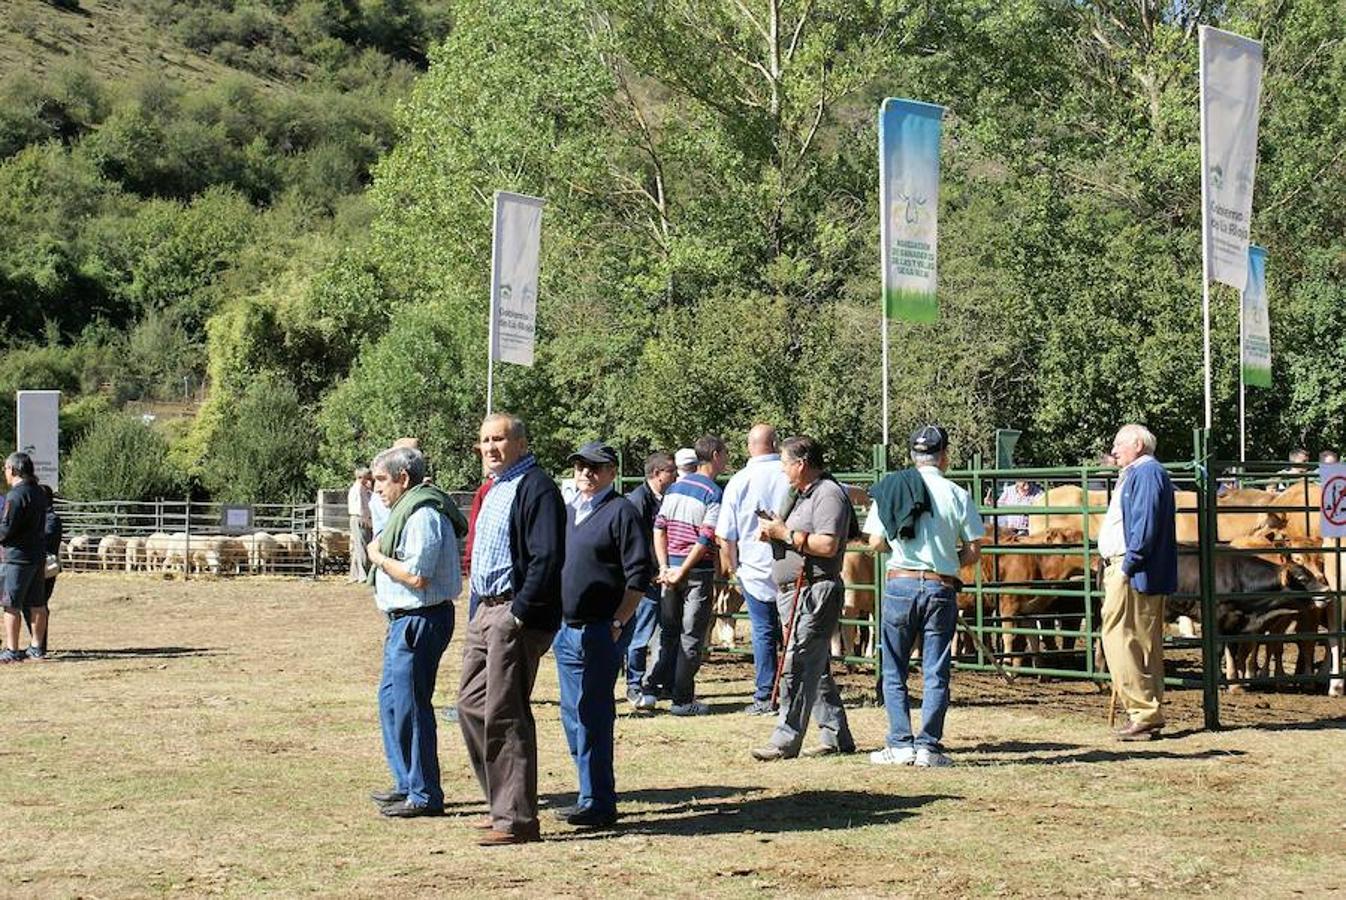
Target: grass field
[220,737]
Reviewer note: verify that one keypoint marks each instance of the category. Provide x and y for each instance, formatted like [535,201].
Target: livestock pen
[1031,607]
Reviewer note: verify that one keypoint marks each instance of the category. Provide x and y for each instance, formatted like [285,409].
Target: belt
[495,599]
[924,575]
[395,614]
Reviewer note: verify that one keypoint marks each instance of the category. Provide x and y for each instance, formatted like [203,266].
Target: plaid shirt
[491,559]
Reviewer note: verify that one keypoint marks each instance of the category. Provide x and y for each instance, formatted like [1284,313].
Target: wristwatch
[618,624]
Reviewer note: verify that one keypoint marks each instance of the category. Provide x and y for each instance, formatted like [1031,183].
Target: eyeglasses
[590,466]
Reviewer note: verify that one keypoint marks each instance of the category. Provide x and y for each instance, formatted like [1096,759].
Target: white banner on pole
[514,268]
[39,432]
[1231,85]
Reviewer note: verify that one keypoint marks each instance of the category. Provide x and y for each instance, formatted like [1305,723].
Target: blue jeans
[766,637]
[587,661]
[411,653]
[913,609]
[635,640]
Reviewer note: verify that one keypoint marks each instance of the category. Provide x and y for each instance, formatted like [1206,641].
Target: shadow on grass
[801,812]
[132,653]
[1331,723]
[1096,756]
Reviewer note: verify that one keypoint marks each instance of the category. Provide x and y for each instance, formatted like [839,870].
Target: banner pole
[1205,244]
[885,374]
[1243,432]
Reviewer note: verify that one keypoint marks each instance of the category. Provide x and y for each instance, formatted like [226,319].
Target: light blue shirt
[492,563]
[427,548]
[584,506]
[953,520]
[759,485]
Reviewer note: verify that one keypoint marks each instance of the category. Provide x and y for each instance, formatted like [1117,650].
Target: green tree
[120,458]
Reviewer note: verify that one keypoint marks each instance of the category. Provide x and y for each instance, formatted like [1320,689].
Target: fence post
[187,539]
[1208,530]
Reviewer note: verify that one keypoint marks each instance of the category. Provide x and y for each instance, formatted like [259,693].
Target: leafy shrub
[120,458]
[263,447]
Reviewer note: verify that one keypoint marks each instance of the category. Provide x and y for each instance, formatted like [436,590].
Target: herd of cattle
[259,553]
[1274,576]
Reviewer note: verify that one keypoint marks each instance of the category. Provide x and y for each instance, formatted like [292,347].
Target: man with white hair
[416,574]
[1139,542]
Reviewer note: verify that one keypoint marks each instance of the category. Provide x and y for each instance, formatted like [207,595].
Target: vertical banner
[39,432]
[1231,84]
[908,203]
[1256,324]
[514,265]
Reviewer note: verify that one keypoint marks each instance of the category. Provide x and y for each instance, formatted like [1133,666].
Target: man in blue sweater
[603,580]
[1138,539]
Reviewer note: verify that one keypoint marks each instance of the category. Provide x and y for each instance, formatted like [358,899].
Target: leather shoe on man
[485,823]
[405,810]
[383,798]
[495,838]
[1138,732]
[825,750]
[563,813]
[589,817]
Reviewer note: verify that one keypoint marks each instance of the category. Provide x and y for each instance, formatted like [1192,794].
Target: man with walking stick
[809,543]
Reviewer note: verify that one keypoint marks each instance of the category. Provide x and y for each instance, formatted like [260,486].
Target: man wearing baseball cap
[931,528]
[604,577]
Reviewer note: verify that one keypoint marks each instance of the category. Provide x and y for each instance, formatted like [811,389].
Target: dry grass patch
[220,737]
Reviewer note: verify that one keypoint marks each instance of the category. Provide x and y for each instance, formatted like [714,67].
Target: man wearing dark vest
[517,552]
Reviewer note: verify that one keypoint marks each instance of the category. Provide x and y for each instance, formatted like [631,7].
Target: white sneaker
[931,759]
[893,756]
[695,708]
[645,706]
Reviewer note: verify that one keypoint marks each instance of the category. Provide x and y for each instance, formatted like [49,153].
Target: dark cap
[929,439]
[595,452]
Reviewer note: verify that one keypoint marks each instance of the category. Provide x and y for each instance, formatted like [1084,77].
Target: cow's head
[1298,577]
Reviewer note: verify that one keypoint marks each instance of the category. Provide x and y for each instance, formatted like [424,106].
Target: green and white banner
[908,205]
[1256,324]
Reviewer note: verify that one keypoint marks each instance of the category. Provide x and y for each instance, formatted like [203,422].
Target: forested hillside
[246,216]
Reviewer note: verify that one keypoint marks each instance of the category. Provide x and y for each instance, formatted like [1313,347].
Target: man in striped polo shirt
[684,544]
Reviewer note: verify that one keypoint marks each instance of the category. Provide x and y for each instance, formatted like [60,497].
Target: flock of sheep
[259,553]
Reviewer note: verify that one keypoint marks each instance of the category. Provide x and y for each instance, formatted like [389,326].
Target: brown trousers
[499,666]
[1133,642]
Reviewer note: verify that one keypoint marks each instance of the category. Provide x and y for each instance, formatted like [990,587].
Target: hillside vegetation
[285,239]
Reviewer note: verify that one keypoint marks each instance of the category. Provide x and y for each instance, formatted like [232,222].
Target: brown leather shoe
[1138,732]
[495,838]
[485,823]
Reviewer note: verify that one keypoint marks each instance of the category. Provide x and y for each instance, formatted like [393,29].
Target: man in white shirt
[760,485]
[357,509]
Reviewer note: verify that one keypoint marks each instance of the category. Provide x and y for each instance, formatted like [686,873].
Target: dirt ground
[220,737]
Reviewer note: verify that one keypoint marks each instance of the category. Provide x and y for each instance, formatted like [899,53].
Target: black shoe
[405,810]
[591,818]
[563,813]
[383,798]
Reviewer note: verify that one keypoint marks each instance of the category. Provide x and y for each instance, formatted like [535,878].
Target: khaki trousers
[494,711]
[1133,643]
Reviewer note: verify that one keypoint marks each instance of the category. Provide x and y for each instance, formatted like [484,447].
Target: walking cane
[789,629]
[976,639]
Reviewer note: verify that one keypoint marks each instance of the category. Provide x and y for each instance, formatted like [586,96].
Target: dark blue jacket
[22,525]
[606,555]
[1151,560]
[537,523]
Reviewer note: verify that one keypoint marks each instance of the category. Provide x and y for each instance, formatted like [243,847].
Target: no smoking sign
[1334,500]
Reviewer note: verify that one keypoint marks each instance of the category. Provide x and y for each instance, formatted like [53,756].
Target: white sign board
[1231,85]
[1333,478]
[39,430]
[514,266]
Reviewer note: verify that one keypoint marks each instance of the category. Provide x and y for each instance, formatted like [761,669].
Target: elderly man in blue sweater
[1138,539]
[605,575]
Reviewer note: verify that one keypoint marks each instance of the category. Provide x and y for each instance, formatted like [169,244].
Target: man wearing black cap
[931,528]
[605,575]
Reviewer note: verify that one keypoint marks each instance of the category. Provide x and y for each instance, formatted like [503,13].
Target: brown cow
[857,571]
